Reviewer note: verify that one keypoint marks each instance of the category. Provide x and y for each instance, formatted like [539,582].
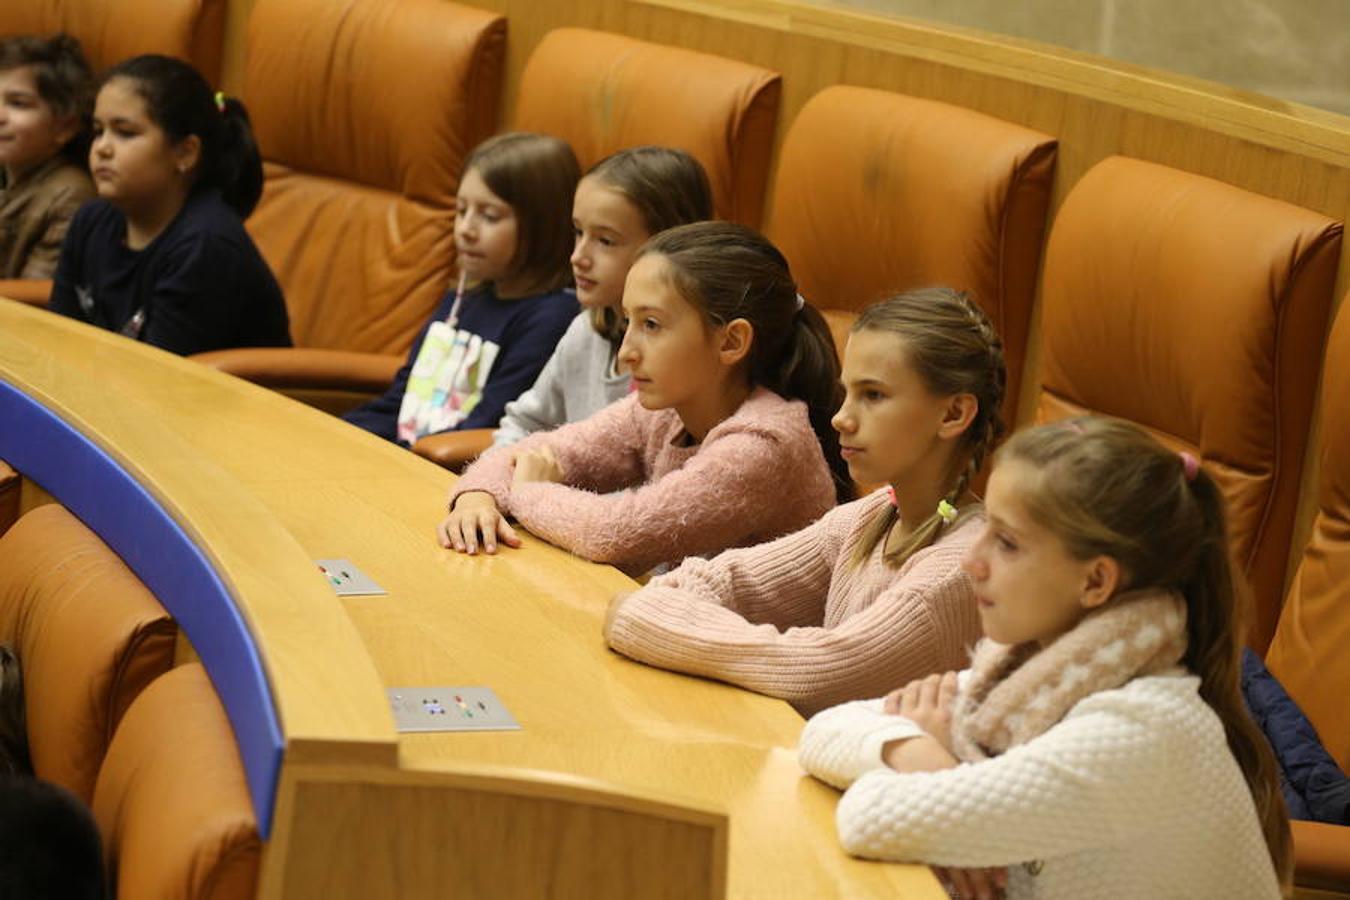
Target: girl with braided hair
[872,595]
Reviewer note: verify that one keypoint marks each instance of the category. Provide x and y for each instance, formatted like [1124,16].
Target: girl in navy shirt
[489,338]
[162,256]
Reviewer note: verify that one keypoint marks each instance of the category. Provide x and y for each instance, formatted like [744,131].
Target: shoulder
[96,214]
[1167,701]
[206,226]
[581,339]
[555,310]
[72,181]
[770,417]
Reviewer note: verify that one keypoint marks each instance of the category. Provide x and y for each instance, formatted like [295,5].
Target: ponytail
[808,370]
[1216,604]
[731,272]
[237,171]
[179,100]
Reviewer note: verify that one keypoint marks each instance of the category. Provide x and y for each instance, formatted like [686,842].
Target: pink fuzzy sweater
[635,496]
[796,619]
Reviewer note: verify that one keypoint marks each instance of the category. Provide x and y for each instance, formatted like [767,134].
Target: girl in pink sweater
[872,595]
[725,441]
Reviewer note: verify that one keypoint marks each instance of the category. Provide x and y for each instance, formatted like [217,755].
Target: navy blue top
[525,330]
[202,282]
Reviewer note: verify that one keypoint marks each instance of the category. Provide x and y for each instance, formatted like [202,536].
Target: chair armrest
[33,291]
[1321,855]
[304,367]
[454,449]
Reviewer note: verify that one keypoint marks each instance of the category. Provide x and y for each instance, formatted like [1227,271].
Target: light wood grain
[265,485]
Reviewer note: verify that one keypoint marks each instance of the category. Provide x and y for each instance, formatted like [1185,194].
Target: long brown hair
[954,349]
[728,272]
[668,187]
[537,175]
[1106,488]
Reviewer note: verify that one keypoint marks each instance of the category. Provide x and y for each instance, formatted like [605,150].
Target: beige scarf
[1018,692]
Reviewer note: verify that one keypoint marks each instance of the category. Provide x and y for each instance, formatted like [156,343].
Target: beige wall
[1295,50]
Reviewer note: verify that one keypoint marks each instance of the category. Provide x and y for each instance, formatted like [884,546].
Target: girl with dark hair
[162,256]
[621,202]
[489,338]
[715,448]
[872,594]
[45,88]
[1098,745]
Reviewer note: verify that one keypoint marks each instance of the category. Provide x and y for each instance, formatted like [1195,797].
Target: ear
[956,418]
[1103,577]
[736,338]
[187,153]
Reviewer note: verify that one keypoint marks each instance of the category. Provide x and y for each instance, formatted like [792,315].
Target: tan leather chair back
[877,193]
[1198,311]
[604,92]
[1310,653]
[89,636]
[171,800]
[113,30]
[357,214]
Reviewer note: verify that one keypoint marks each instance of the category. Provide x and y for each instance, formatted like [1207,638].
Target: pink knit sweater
[796,619]
[635,496]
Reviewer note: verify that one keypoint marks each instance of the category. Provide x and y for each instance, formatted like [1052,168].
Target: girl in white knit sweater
[1098,745]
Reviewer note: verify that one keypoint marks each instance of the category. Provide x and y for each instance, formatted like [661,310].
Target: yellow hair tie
[220,101]
[946,512]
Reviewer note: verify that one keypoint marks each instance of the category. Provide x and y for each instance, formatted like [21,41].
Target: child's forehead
[20,78]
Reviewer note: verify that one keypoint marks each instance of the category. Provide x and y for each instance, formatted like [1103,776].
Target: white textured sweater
[798,620]
[1133,794]
[577,381]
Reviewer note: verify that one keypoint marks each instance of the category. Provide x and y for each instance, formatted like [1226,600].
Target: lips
[849,452]
[103,173]
[584,283]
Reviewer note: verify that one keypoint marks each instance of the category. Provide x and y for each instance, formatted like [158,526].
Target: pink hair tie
[890,495]
[1190,465]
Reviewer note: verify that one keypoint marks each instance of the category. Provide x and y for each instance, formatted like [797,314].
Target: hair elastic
[1189,465]
[801,302]
[220,102]
[890,495]
[946,512]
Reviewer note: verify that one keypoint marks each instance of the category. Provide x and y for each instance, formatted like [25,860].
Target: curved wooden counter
[262,486]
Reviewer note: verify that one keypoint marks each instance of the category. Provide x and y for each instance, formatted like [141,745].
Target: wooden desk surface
[266,485]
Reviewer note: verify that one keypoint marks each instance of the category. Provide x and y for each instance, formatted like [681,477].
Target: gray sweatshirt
[577,381]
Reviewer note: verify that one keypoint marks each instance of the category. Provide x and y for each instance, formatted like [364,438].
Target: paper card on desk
[347,579]
[449,709]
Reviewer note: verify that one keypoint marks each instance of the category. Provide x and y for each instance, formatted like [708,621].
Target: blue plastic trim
[98,491]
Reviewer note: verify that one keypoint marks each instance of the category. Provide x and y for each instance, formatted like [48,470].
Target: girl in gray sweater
[622,201]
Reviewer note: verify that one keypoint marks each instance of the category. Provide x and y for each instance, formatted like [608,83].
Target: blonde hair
[954,349]
[1106,488]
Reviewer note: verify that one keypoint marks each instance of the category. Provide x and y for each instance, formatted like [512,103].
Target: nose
[580,259]
[101,146]
[842,420]
[628,354]
[973,564]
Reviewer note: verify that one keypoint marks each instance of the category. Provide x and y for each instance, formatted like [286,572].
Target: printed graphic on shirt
[446,382]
